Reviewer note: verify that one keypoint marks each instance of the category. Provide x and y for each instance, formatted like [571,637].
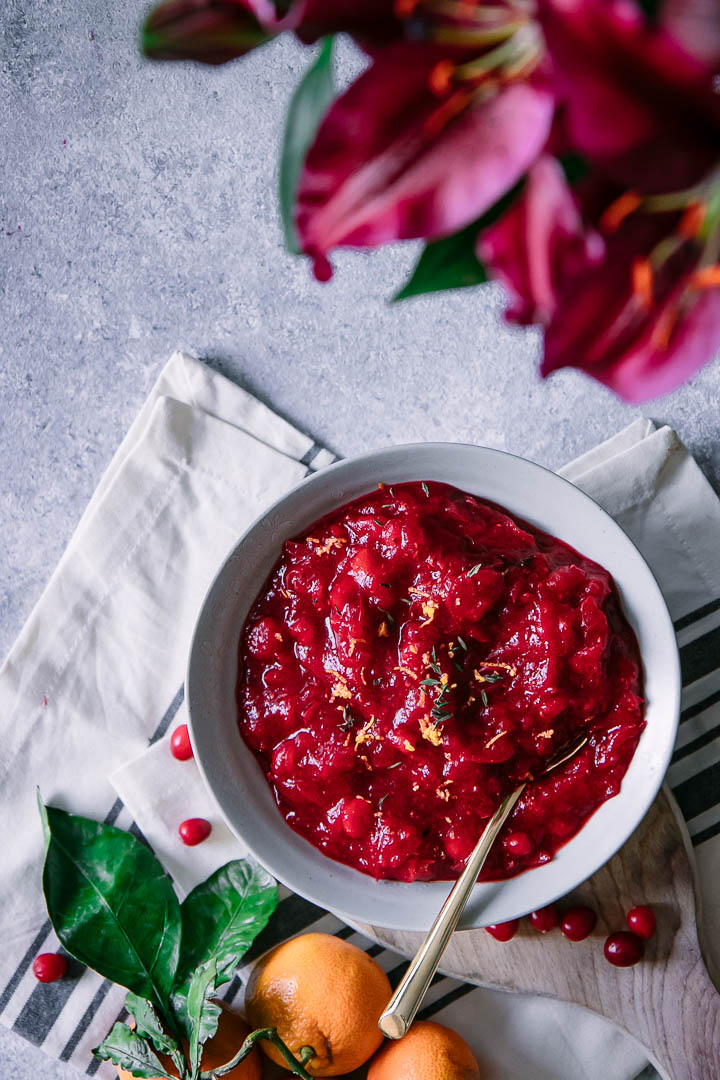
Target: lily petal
[636,102]
[539,243]
[367,20]
[211,31]
[640,350]
[695,24]
[379,171]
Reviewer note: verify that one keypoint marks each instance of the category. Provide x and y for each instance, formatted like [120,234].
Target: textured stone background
[138,213]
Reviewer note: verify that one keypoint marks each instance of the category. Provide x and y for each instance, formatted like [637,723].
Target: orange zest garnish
[707,277]
[691,221]
[642,281]
[616,212]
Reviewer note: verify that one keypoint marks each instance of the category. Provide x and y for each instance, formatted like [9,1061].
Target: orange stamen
[447,112]
[663,329]
[691,221]
[642,281]
[616,212]
[440,78]
[707,277]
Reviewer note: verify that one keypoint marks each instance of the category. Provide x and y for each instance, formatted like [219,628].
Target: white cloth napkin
[97,672]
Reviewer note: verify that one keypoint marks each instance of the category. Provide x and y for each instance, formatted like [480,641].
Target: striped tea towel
[96,676]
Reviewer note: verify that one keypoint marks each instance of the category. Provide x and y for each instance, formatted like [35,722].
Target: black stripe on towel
[169,716]
[96,1062]
[696,615]
[447,999]
[700,792]
[700,657]
[697,744]
[695,710]
[706,834]
[292,916]
[86,1019]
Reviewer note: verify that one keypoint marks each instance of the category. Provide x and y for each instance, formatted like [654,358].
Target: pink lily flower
[390,161]
[633,299]
[636,103]
[450,114]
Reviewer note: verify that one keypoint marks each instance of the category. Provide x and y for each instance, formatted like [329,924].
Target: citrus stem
[268,1035]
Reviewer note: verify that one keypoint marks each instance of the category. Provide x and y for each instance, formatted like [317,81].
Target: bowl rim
[316,894]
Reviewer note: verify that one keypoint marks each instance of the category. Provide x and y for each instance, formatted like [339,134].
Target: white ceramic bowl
[235,778]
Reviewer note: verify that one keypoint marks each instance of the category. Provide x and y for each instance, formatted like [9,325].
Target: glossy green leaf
[451,262]
[148,1024]
[309,104]
[128,1050]
[222,916]
[111,904]
[202,1013]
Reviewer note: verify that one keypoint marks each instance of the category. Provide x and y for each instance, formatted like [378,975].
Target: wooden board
[667,1001]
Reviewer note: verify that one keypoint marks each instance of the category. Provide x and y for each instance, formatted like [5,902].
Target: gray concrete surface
[138,213]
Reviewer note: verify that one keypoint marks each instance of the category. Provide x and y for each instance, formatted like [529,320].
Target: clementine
[231,1034]
[321,992]
[429,1051]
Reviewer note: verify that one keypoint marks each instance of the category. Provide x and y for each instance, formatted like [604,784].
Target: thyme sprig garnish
[388,615]
[425,489]
[348,721]
[440,711]
[474,570]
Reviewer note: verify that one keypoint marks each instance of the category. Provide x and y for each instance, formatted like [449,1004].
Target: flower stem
[269,1035]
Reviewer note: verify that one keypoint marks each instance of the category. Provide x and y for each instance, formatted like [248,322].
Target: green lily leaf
[130,1051]
[148,1024]
[451,262]
[309,104]
[222,916]
[202,1014]
[111,904]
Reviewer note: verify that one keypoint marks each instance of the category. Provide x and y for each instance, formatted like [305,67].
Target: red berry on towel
[49,967]
[180,747]
[503,931]
[578,922]
[545,919]
[624,949]
[194,831]
[641,920]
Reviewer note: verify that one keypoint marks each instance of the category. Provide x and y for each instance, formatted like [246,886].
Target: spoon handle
[413,986]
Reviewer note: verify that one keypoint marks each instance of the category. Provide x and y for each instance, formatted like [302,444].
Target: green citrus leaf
[451,262]
[148,1024]
[222,916]
[202,1014]
[309,104]
[111,904]
[128,1050]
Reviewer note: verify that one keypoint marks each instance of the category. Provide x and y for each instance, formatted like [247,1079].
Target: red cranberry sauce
[415,656]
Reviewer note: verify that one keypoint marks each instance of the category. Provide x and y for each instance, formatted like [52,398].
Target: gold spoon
[406,1000]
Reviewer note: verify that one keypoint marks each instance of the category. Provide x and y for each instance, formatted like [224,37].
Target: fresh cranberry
[578,922]
[545,919]
[624,949]
[194,831]
[180,747]
[641,920]
[48,967]
[503,931]
[517,844]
